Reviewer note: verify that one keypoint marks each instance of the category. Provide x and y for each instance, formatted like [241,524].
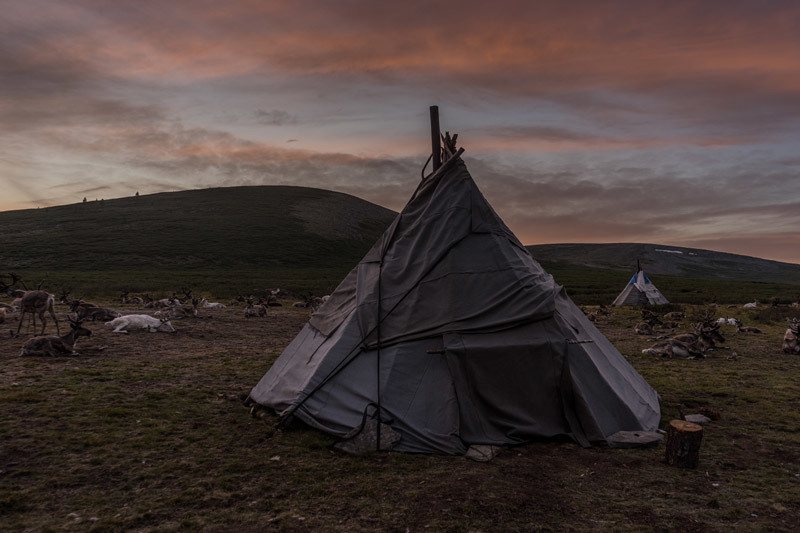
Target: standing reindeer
[36,302]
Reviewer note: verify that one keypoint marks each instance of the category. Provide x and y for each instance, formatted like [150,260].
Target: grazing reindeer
[36,302]
[124,323]
[56,346]
[791,340]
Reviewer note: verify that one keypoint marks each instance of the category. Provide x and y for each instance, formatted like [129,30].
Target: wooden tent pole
[436,138]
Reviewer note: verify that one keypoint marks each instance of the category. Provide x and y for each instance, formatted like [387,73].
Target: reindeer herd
[39,303]
[705,334]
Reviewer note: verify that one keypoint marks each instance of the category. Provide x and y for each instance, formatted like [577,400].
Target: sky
[668,122]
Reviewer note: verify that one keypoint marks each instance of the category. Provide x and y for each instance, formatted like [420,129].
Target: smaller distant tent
[640,291]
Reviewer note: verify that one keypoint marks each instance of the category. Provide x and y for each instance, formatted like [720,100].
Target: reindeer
[124,323]
[56,346]
[675,316]
[211,305]
[311,302]
[791,340]
[751,305]
[643,328]
[97,314]
[672,348]
[80,307]
[36,302]
[705,337]
[166,302]
[255,310]
[125,298]
[746,329]
[651,318]
[185,311]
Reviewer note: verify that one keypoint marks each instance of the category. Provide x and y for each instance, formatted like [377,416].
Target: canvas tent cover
[478,344]
[640,291]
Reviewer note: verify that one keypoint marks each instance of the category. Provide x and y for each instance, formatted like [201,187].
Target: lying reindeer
[746,329]
[672,348]
[97,314]
[56,346]
[180,311]
[689,344]
[205,304]
[129,322]
[791,340]
[255,310]
[706,336]
[134,300]
[651,318]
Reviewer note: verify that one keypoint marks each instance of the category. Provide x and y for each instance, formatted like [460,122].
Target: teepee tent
[640,291]
[455,336]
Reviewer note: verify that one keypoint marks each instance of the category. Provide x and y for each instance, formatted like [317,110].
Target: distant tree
[84,199]
[137,193]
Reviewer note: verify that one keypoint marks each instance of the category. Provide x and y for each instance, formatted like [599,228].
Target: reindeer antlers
[16,279]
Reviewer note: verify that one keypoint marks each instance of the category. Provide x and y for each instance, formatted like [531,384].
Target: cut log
[683,444]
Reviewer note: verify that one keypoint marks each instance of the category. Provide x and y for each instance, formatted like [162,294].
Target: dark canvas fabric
[478,344]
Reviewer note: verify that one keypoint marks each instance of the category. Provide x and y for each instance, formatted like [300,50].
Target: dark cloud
[276,117]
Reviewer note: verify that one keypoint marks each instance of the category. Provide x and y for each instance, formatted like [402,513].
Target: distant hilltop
[226,227]
[668,260]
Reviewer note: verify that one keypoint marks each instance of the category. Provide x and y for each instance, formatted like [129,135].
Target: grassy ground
[590,286]
[149,433]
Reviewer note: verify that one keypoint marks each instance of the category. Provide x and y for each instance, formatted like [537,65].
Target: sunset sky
[668,122]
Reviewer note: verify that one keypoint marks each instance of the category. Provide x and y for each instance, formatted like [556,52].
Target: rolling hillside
[232,227]
[658,259]
[230,240]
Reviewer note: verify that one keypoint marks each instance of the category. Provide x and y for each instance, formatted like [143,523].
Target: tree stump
[683,444]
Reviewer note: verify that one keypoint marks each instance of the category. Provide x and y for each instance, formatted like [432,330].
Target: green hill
[233,227]
[230,240]
[659,259]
